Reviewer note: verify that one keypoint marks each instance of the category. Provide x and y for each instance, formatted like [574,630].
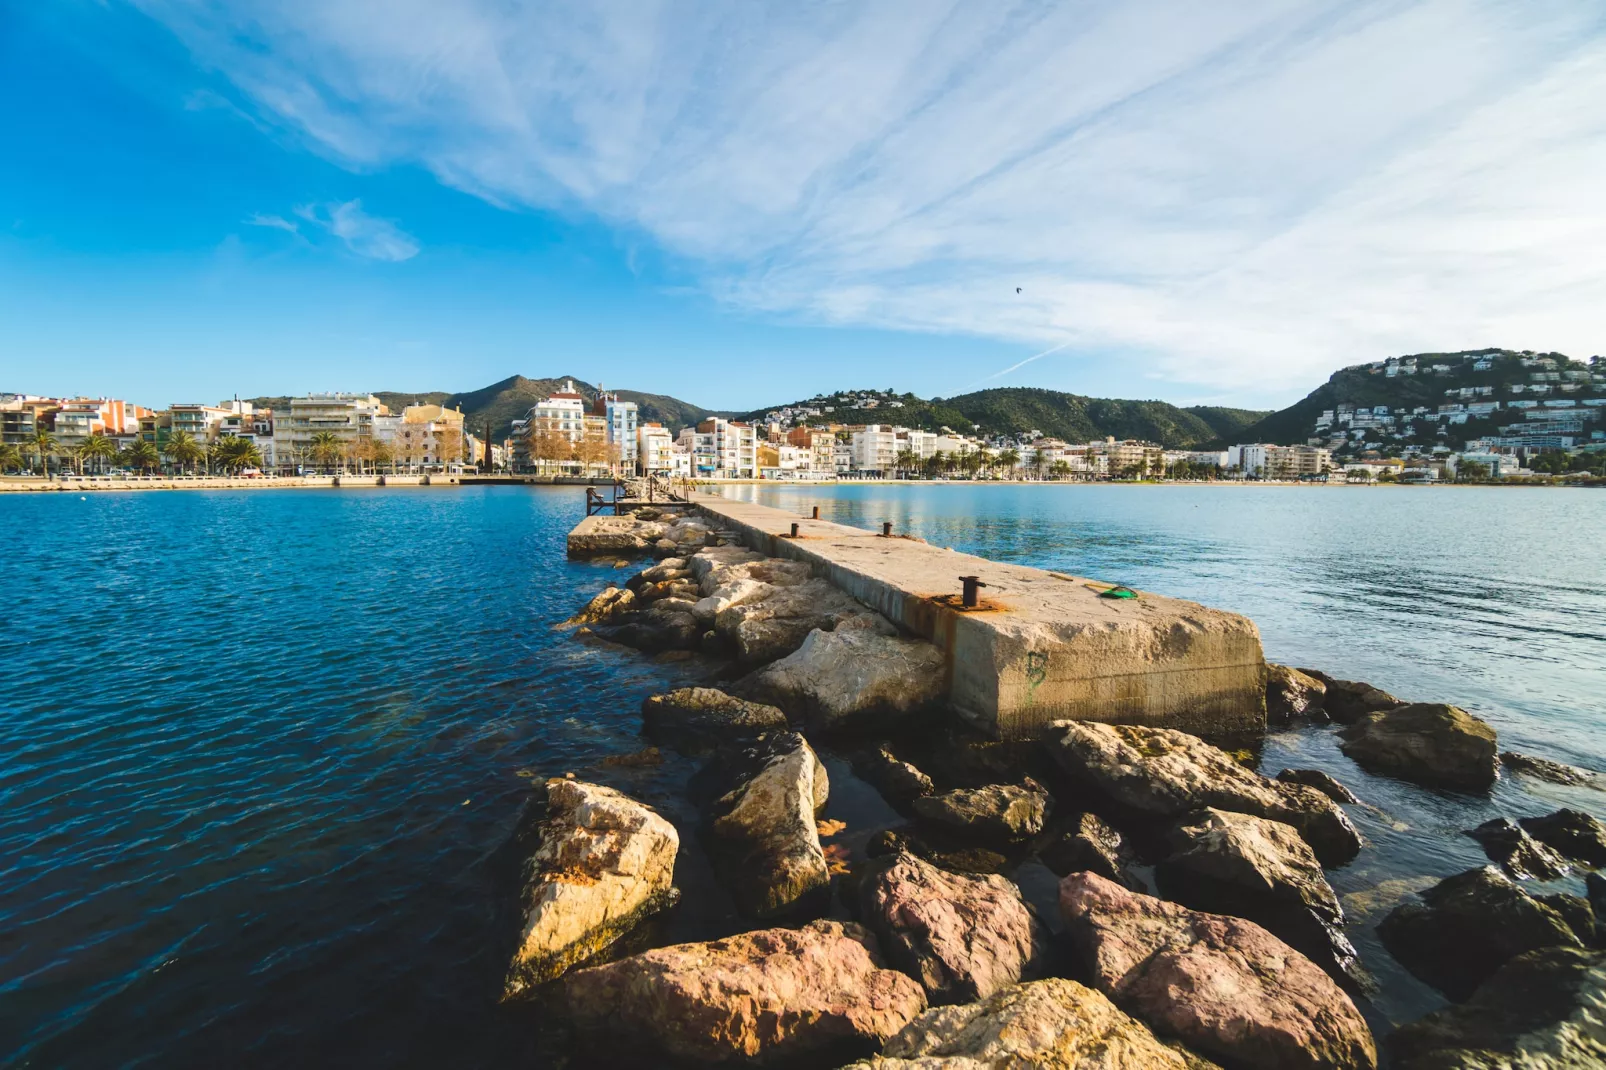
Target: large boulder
[1325,783]
[775,995]
[1164,774]
[1350,700]
[997,811]
[1426,743]
[898,781]
[734,592]
[1090,843]
[962,937]
[604,863]
[610,604]
[1545,769]
[1056,1024]
[1224,986]
[1292,695]
[853,679]
[1543,1009]
[1573,833]
[767,842]
[708,710]
[1519,854]
[1467,926]
[1263,870]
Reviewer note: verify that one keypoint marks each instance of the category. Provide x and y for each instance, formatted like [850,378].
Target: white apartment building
[349,417]
[1268,461]
[875,449]
[721,449]
[655,447]
[80,418]
[620,418]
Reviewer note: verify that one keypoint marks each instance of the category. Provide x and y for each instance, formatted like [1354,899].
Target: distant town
[1534,416]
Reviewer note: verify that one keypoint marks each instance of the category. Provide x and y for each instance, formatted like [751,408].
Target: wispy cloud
[1226,194]
[276,222]
[364,235]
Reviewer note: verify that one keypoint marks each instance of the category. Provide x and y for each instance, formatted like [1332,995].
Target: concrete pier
[1039,646]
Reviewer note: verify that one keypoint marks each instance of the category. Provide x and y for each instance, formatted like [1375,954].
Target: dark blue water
[259,749]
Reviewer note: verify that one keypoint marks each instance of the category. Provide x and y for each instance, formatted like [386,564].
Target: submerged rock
[708,710]
[1522,857]
[1165,774]
[769,846]
[1263,870]
[1090,843]
[1322,782]
[1545,769]
[1542,1009]
[1467,926]
[1426,743]
[1003,811]
[1292,695]
[1573,833]
[853,679]
[962,937]
[768,996]
[1056,1024]
[896,780]
[1350,700]
[1577,912]
[604,863]
[1224,986]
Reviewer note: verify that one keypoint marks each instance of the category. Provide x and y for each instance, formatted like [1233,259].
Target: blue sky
[745,203]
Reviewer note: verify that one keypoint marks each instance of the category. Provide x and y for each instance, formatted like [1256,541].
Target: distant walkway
[76,484]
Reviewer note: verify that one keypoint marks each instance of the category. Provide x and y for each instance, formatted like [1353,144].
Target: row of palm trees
[973,463]
[97,453]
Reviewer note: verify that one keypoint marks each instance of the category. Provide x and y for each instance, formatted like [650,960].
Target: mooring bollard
[794,529]
[886,529]
[969,585]
[816,515]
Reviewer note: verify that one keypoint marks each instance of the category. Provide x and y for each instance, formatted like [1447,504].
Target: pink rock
[774,994]
[962,937]
[1222,985]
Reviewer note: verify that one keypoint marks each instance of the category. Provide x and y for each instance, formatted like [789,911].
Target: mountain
[1008,410]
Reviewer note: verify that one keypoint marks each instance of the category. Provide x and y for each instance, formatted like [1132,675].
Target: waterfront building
[1267,461]
[21,415]
[822,450]
[722,449]
[875,450]
[1128,456]
[619,428]
[654,449]
[349,417]
[79,418]
[425,436]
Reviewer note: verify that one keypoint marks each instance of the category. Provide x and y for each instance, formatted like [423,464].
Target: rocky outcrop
[1578,913]
[951,857]
[853,679]
[1467,926]
[609,604]
[1263,870]
[962,937]
[1322,782]
[765,607]
[897,781]
[1292,695]
[1520,855]
[1573,833]
[1164,774]
[775,995]
[1545,769]
[1224,986]
[1426,743]
[1543,1009]
[1090,843]
[997,811]
[604,863]
[768,845]
[1346,701]
[709,711]
[1055,1024]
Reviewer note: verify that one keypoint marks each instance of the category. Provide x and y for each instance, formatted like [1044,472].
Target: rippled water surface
[259,749]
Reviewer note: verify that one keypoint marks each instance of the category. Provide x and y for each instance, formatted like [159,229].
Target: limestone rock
[1292,695]
[1002,811]
[896,780]
[708,710]
[775,995]
[1573,833]
[766,628]
[1322,782]
[1224,986]
[1467,926]
[1427,743]
[670,568]
[1346,701]
[604,863]
[1545,769]
[771,851]
[1520,855]
[1056,1024]
[1263,870]
[1093,844]
[740,589]
[683,589]
[1543,1009]
[853,679]
[962,937]
[1164,774]
[609,604]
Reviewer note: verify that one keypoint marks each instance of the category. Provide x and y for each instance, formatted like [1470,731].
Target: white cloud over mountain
[1231,194]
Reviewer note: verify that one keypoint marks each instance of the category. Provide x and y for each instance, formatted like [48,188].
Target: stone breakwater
[1194,925]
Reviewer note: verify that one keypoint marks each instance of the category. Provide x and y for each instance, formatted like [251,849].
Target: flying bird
[1017,289]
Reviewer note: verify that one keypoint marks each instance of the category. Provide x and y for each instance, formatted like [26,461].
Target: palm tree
[143,456]
[1060,469]
[43,446]
[182,447]
[96,448]
[326,448]
[10,456]
[382,452]
[904,461]
[1010,459]
[234,453]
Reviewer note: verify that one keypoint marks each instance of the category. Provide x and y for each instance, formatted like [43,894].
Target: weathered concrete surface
[601,534]
[1042,647]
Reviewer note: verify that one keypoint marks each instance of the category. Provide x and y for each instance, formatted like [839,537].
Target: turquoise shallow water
[258,750]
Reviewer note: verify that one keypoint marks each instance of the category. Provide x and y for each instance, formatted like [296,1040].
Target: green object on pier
[1118,592]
